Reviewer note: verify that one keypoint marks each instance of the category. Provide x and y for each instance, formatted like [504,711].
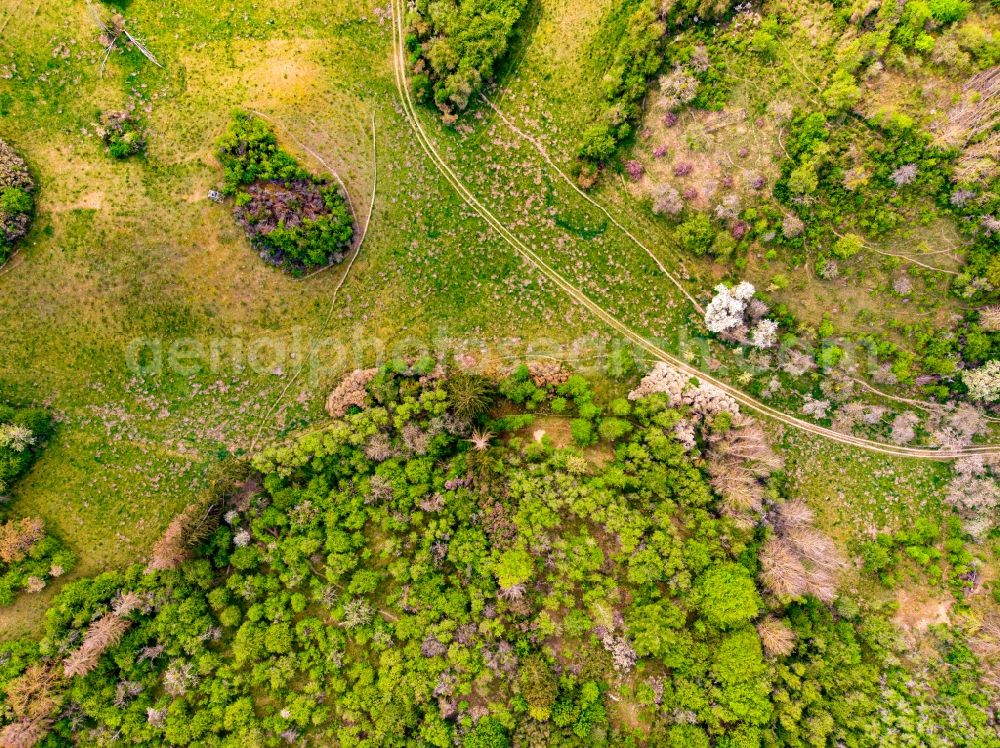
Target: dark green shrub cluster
[899,174]
[29,558]
[17,202]
[935,354]
[883,555]
[839,682]
[22,433]
[407,577]
[293,218]
[249,153]
[455,45]
[630,48]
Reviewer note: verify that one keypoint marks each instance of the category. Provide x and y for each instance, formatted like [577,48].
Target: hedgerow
[28,556]
[17,202]
[630,46]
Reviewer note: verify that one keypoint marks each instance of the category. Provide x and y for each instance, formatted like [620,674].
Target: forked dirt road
[750,403]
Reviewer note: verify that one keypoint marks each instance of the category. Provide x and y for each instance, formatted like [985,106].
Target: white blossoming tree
[18,438]
[984,382]
[736,315]
[765,334]
[725,310]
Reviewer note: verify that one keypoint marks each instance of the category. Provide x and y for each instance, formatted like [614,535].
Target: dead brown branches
[30,696]
[979,110]
[103,633]
[739,459]
[17,538]
[112,31]
[185,531]
[798,559]
[777,639]
[24,733]
[351,392]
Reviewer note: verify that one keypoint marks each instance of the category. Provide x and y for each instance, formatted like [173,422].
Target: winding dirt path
[750,403]
[566,178]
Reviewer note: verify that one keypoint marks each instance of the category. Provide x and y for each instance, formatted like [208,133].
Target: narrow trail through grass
[545,156]
[265,419]
[412,116]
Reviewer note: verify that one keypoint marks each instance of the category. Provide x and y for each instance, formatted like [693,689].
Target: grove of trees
[455,46]
[427,570]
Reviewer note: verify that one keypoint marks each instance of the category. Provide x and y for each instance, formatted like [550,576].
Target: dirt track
[748,402]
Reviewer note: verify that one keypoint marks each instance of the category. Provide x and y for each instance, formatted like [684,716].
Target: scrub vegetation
[29,557]
[294,218]
[16,199]
[443,476]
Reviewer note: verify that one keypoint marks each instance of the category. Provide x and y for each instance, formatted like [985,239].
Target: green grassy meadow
[125,257]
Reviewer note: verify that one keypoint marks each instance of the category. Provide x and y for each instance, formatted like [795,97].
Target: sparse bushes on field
[16,199]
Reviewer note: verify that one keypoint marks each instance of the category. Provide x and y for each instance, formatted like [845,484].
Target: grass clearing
[134,250]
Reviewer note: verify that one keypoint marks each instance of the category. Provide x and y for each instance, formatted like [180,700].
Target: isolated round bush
[122,134]
[848,245]
[16,198]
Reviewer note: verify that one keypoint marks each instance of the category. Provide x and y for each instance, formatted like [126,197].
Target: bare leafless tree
[815,547]
[24,733]
[112,32]
[31,695]
[781,570]
[777,639]
[793,514]
[102,634]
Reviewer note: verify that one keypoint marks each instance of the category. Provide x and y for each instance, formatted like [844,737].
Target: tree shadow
[520,41]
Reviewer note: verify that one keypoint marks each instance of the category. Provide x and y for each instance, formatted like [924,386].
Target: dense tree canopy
[455,46]
[421,574]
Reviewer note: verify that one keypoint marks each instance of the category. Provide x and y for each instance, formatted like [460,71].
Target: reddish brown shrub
[18,536]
